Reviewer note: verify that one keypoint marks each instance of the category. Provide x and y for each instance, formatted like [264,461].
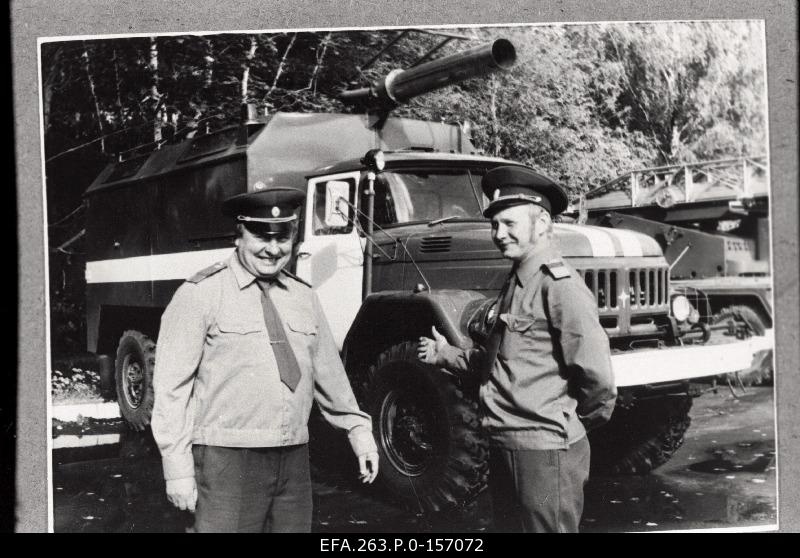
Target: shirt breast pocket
[302,335]
[523,333]
[240,341]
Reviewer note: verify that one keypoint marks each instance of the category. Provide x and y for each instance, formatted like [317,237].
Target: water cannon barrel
[400,86]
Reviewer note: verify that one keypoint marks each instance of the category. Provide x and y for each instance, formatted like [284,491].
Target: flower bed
[74,385]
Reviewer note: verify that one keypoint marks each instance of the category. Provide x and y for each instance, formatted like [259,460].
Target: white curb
[70,413]
[73,441]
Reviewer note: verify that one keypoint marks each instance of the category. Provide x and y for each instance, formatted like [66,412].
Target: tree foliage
[584,103]
[695,89]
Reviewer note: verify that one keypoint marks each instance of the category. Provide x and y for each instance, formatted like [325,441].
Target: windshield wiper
[443,219]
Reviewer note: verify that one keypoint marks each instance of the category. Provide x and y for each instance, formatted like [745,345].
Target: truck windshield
[413,196]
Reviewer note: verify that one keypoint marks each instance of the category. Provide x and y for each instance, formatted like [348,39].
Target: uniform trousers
[253,490]
[538,491]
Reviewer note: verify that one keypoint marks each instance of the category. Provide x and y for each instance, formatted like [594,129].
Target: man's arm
[336,401]
[584,345]
[179,349]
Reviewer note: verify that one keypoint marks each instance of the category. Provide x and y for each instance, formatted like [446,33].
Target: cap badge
[276,211]
[259,186]
[496,193]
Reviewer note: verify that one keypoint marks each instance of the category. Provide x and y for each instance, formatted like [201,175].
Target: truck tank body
[286,146]
[155,219]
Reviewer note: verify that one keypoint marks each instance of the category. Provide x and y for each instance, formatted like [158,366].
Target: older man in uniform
[546,368]
[243,350]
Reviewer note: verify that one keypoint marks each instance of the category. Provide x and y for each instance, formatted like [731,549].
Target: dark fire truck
[711,219]
[393,240]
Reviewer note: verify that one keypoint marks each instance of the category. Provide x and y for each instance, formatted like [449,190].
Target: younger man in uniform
[546,368]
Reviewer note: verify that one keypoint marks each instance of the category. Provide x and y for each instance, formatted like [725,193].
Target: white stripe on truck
[601,243]
[160,267]
[180,265]
[631,243]
[608,243]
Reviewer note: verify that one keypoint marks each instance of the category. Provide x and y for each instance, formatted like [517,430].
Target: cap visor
[261,228]
[504,204]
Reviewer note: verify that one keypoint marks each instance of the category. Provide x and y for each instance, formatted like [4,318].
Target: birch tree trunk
[246,73]
[47,87]
[209,59]
[281,66]
[154,94]
[90,81]
[120,111]
[320,57]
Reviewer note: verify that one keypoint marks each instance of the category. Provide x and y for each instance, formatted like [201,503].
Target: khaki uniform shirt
[216,378]
[552,377]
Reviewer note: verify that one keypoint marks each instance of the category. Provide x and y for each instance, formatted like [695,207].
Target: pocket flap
[516,323]
[299,326]
[233,326]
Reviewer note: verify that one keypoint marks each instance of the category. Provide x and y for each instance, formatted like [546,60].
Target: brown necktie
[496,333]
[284,356]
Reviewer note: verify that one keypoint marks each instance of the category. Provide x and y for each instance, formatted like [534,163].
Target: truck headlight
[681,308]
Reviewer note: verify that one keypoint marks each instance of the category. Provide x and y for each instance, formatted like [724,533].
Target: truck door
[331,256]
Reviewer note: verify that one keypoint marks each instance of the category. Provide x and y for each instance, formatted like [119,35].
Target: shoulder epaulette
[558,269]
[296,278]
[207,272]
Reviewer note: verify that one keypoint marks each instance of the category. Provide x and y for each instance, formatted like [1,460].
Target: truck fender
[389,317]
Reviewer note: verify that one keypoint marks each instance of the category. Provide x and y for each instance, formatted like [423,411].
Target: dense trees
[584,102]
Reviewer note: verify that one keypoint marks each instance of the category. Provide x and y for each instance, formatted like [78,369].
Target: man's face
[516,231]
[264,255]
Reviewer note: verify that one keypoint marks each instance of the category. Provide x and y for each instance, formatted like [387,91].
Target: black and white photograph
[386,275]
[392,189]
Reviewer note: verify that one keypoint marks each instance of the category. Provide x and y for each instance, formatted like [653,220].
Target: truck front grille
[647,287]
[604,285]
[643,288]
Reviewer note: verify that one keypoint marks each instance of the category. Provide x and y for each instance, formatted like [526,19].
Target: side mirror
[337,198]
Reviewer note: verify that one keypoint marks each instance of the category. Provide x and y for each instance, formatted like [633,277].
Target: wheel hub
[406,432]
[133,383]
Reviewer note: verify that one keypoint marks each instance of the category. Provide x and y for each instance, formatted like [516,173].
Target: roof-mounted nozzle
[400,86]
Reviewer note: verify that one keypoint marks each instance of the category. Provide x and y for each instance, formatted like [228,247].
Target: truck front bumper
[651,366]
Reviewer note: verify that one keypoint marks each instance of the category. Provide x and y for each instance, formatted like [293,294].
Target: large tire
[136,358]
[642,437]
[432,454]
[761,373]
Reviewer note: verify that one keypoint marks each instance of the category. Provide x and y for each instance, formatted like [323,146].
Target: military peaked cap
[510,185]
[270,210]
